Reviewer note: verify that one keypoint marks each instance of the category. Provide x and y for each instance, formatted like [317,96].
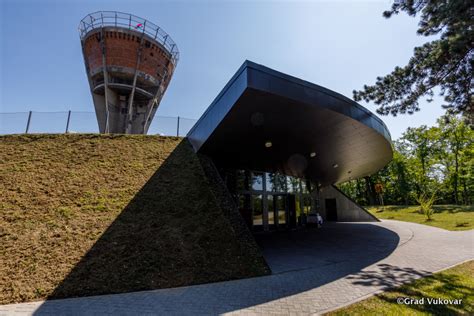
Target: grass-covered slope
[88,214]
[450,217]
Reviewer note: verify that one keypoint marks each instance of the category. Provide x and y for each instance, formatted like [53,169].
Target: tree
[420,145]
[426,160]
[399,174]
[457,138]
[446,62]
[467,176]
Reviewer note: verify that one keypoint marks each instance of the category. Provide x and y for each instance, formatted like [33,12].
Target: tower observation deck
[129,63]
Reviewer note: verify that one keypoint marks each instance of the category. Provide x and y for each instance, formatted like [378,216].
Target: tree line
[436,161]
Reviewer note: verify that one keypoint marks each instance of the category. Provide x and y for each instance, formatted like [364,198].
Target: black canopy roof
[269,121]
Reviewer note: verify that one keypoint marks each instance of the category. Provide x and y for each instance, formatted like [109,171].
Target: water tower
[129,63]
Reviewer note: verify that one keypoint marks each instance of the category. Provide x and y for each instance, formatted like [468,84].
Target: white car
[312,219]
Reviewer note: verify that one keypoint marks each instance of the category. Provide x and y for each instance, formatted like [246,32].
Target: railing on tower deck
[100,19]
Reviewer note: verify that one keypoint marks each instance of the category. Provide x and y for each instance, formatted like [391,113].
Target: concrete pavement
[313,272]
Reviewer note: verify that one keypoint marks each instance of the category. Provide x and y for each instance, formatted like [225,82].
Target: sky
[340,45]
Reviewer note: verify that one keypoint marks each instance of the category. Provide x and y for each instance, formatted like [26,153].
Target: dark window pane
[293,185]
[270,181]
[279,184]
[303,186]
[307,203]
[271,213]
[280,204]
[242,180]
[257,204]
[298,205]
[257,181]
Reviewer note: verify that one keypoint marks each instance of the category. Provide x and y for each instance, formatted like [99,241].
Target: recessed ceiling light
[335,165]
[312,155]
[268,144]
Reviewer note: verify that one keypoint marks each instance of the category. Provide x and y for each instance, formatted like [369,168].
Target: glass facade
[269,201]
[271,210]
[257,181]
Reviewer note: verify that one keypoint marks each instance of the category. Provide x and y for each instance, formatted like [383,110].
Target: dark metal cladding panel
[260,105]
[272,81]
[218,109]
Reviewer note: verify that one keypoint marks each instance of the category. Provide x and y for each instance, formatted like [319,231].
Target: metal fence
[82,122]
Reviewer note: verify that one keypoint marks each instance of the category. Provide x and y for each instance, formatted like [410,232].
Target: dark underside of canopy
[268,121]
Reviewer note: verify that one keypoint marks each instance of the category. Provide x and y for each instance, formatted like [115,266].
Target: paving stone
[313,273]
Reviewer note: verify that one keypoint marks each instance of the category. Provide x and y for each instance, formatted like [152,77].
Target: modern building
[129,63]
[281,143]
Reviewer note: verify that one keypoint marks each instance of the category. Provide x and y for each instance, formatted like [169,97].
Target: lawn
[450,217]
[95,214]
[454,283]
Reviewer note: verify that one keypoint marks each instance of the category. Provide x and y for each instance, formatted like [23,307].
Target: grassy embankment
[455,283]
[450,217]
[94,214]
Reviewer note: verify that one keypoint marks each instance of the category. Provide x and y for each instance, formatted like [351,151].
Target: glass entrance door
[280,206]
[269,201]
[257,213]
[272,214]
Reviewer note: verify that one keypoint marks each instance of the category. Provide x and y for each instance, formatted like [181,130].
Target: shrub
[426,204]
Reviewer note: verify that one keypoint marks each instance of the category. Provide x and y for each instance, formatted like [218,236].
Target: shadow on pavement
[301,261]
[434,286]
[361,244]
[387,275]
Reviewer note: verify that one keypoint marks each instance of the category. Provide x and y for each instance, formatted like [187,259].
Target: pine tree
[446,62]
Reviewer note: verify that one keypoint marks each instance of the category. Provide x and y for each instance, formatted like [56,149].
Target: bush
[426,205]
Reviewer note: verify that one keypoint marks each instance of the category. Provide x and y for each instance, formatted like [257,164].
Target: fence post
[177,130]
[28,123]
[68,120]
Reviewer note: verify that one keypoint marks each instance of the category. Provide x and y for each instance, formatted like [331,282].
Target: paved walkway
[313,272]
